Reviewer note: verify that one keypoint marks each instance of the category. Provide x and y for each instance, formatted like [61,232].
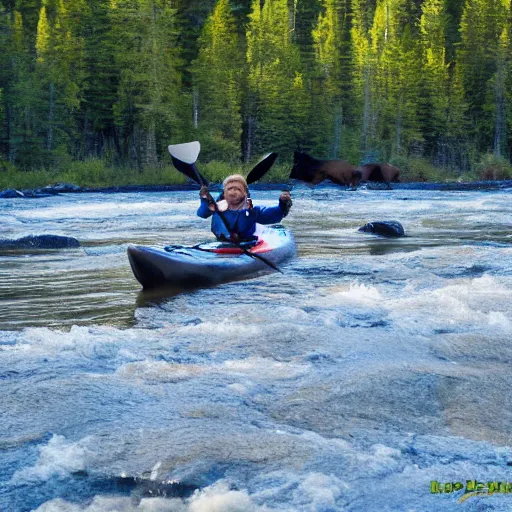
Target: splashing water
[369,369]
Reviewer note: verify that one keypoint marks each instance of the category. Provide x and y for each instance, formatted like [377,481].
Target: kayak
[210,263]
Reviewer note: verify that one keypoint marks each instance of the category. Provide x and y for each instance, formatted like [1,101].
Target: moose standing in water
[383,173]
[314,171]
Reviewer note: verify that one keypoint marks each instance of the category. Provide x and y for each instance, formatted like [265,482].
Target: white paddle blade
[187,152]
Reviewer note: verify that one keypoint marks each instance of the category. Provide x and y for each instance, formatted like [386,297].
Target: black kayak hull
[193,267]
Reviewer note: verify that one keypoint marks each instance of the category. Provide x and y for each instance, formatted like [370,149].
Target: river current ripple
[368,369]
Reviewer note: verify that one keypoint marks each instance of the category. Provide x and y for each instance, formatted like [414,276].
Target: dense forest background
[362,80]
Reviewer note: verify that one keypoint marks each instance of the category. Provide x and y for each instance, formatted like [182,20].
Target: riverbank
[99,175]
[66,188]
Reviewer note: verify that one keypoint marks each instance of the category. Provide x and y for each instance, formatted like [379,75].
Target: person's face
[234,193]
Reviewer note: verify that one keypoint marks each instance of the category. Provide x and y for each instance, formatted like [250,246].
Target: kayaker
[239,212]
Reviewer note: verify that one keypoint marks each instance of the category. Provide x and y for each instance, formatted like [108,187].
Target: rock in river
[40,242]
[389,228]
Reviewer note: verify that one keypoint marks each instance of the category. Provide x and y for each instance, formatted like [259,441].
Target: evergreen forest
[361,80]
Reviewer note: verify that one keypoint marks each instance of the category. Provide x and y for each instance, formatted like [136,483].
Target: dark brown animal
[314,171]
[384,173]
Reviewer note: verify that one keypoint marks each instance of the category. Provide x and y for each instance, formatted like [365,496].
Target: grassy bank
[97,173]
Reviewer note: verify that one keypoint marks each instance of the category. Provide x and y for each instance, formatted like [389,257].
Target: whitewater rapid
[366,371]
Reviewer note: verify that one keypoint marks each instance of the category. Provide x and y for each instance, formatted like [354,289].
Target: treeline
[354,79]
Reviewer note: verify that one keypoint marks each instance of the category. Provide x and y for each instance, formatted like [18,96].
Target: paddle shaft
[185,163]
[212,201]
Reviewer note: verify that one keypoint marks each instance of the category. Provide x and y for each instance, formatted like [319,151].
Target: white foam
[319,492]
[466,303]
[219,498]
[216,498]
[159,371]
[355,292]
[58,458]
[154,471]
[238,388]
[117,504]
[498,319]
[97,210]
[91,342]
[256,368]
[263,368]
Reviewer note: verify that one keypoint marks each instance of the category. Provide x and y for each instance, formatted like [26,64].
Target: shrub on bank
[492,167]
[92,173]
[96,173]
[418,169]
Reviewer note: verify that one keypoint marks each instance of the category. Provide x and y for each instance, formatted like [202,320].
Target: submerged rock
[40,242]
[389,228]
[11,193]
[58,188]
[49,190]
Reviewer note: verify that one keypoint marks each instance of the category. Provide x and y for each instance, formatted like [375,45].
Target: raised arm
[273,214]
[204,211]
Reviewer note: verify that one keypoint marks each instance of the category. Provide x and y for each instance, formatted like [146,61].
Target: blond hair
[236,177]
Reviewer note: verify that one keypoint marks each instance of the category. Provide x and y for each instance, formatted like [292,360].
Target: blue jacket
[242,222]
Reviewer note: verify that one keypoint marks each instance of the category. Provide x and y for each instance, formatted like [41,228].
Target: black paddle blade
[261,168]
[184,158]
[186,169]
[261,258]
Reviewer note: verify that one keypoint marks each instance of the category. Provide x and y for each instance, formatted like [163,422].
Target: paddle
[261,168]
[184,157]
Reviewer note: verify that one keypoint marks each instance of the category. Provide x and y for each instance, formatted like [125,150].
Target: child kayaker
[238,211]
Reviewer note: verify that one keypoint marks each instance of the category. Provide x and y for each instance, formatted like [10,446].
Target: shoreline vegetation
[86,86]
[97,174]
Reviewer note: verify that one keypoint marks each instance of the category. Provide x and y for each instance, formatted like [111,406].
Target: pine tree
[146,104]
[59,70]
[25,108]
[333,56]
[435,79]
[100,135]
[397,78]
[5,79]
[218,82]
[500,90]
[364,58]
[479,57]
[276,114]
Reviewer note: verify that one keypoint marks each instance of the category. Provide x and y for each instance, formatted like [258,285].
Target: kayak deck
[211,263]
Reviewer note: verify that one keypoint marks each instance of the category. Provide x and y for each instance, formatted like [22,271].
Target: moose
[383,173]
[312,170]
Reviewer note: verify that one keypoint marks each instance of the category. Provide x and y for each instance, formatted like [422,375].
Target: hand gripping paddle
[184,157]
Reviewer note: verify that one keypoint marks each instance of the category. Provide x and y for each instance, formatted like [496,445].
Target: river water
[368,369]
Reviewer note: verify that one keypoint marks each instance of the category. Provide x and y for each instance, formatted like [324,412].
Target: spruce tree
[276,114]
[333,57]
[396,83]
[481,63]
[218,84]
[148,92]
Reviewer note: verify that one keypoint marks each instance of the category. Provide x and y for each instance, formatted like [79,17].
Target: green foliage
[480,56]
[93,172]
[10,177]
[274,117]
[217,147]
[98,89]
[420,169]
[215,171]
[492,167]
[218,82]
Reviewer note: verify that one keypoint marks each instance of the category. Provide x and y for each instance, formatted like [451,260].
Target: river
[366,371]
